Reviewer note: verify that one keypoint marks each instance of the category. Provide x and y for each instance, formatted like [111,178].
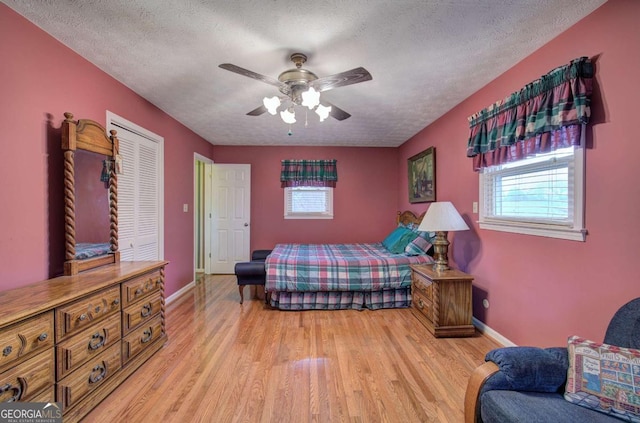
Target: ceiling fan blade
[349,77]
[258,111]
[251,74]
[336,112]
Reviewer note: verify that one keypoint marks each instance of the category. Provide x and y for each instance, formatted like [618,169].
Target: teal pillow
[397,240]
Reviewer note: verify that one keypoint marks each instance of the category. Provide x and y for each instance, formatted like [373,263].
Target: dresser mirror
[91,195]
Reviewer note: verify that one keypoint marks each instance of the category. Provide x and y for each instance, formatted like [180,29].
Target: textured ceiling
[425,57]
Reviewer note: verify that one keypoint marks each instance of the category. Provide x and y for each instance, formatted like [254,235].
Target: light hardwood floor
[226,362]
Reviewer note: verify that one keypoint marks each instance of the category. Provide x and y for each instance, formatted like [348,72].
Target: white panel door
[230,221]
[139,195]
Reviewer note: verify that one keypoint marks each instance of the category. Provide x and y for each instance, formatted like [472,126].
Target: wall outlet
[475,207]
[185,208]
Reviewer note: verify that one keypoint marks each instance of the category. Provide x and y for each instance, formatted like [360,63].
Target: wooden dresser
[442,300]
[74,339]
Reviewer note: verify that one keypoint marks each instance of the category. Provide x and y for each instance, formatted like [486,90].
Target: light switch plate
[185,208]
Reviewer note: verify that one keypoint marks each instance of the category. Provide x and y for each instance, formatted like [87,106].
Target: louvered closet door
[138,194]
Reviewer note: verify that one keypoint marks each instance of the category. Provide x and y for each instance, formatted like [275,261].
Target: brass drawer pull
[116,301]
[148,334]
[82,317]
[146,310]
[43,337]
[138,291]
[420,303]
[7,350]
[101,370]
[93,345]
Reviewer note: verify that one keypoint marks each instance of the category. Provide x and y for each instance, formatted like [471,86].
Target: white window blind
[538,196]
[308,203]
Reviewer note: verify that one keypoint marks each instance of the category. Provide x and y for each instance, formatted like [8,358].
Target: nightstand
[442,301]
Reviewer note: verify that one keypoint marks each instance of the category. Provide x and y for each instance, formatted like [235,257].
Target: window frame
[574,231]
[327,214]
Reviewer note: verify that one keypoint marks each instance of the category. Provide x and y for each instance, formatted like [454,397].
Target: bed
[344,276]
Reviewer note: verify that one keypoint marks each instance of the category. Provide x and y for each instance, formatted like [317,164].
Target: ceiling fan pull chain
[306,115]
[290,132]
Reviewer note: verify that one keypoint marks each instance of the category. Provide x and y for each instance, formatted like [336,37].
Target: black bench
[251,272]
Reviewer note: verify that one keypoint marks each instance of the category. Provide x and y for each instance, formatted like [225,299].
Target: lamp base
[440,248]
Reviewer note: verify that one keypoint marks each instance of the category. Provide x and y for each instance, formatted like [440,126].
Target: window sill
[546,231]
[308,216]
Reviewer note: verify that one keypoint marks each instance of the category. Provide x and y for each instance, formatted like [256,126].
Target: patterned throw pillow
[397,240]
[421,244]
[604,377]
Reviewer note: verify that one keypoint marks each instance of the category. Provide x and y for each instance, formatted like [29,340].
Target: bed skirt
[342,300]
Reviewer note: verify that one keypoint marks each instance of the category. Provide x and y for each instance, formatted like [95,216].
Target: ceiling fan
[302,87]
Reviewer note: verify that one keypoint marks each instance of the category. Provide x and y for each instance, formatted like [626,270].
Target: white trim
[486,330]
[563,233]
[179,293]
[205,199]
[119,121]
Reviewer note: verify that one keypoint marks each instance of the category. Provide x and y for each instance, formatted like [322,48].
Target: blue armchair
[526,384]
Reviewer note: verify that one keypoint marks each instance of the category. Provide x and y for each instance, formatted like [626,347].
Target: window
[308,203]
[541,196]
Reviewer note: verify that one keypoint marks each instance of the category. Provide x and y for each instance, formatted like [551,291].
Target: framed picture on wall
[422,176]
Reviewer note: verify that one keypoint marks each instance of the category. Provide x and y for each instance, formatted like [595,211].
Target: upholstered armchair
[527,384]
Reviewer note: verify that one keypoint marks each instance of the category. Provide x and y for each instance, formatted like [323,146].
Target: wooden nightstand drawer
[141,311]
[25,381]
[140,287]
[81,314]
[422,285]
[422,304]
[89,377]
[81,347]
[25,338]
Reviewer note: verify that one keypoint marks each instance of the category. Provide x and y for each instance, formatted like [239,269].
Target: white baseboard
[180,292]
[492,333]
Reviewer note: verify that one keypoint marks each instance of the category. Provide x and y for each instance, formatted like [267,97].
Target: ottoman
[251,272]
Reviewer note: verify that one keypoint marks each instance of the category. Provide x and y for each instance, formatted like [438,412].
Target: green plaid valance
[545,115]
[309,173]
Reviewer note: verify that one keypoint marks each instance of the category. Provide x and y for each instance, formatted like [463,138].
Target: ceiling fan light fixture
[288,116]
[271,104]
[310,98]
[323,112]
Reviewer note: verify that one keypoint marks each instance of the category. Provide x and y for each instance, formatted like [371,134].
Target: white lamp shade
[442,216]
[323,112]
[288,116]
[271,104]
[310,98]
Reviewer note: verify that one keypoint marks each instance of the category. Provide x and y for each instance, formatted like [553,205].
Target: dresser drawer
[25,338]
[74,317]
[140,287]
[88,377]
[424,285]
[25,381]
[81,347]
[422,304]
[141,311]
[141,338]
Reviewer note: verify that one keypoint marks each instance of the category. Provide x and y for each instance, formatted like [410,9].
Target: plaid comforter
[337,267]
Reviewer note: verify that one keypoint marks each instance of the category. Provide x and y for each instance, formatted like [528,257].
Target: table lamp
[440,218]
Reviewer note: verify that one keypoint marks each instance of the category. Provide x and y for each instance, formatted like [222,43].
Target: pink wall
[40,79]
[364,199]
[542,290]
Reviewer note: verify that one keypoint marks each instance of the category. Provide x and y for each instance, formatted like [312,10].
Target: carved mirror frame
[88,135]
